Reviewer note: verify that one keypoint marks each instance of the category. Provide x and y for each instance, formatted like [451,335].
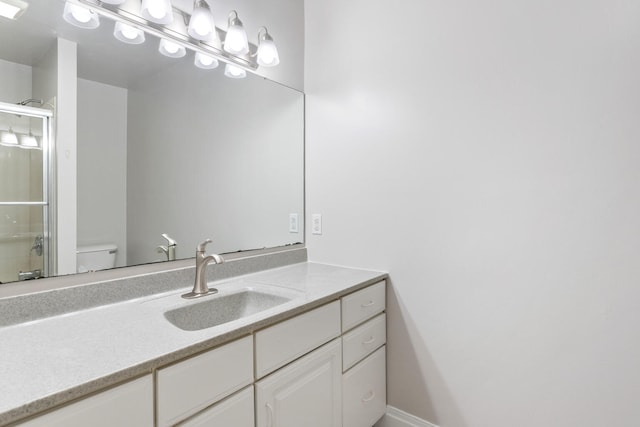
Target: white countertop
[51,361]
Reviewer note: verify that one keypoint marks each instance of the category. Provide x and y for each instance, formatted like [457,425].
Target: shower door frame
[48,199]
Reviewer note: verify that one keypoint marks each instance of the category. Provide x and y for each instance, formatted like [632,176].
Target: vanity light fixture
[158,11]
[12,9]
[128,34]
[197,34]
[80,16]
[234,72]
[204,61]
[236,41]
[171,49]
[267,52]
[8,137]
[201,25]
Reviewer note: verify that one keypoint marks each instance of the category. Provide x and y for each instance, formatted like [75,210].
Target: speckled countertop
[50,361]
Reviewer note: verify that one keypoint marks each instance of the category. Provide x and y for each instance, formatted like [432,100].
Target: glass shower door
[24,204]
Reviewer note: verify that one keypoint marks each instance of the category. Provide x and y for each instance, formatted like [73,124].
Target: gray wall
[486,154]
[16,82]
[102,166]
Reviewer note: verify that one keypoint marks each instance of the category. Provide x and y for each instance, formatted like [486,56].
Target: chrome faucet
[200,287]
[170,250]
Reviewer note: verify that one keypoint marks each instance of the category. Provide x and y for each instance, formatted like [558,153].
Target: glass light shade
[8,137]
[128,34]
[234,72]
[205,62]
[171,49]
[158,11]
[12,9]
[236,42]
[201,25]
[80,16]
[267,51]
[28,141]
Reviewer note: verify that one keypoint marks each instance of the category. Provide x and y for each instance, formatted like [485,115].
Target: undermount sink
[218,309]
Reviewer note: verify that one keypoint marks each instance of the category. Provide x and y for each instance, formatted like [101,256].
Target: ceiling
[101,57]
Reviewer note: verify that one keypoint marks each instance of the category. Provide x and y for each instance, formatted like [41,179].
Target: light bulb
[13,9]
[80,16]
[8,137]
[158,11]
[267,51]
[171,49]
[28,141]
[236,41]
[234,72]
[201,25]
[128,34]
[204,61]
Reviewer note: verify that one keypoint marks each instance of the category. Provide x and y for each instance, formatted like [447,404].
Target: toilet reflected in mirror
[96,257]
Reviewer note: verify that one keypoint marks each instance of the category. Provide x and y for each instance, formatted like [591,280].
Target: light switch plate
[293,223]
[316,224]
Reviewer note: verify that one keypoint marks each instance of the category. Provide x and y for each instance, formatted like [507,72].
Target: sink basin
[215,310]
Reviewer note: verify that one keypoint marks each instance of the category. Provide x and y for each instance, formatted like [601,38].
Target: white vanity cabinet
[325,367]
[193,384]
[364,395]
[341,383]
[130,404]
[307,392]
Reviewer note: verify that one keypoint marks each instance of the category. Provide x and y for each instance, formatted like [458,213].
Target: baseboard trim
[397,418]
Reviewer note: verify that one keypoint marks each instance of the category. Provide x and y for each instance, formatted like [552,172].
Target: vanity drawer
[364,391]
[282,343]
[362,305]
[236,411]
[191,385]
[360,342]
[130,404]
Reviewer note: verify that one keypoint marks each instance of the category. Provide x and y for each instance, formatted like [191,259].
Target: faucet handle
[170,241]
[201,246]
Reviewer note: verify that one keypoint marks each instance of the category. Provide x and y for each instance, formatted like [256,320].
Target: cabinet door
[234,411]
[306,393]
[130,404]
[364,391]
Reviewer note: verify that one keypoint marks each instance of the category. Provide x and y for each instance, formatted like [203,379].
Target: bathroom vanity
[312,354]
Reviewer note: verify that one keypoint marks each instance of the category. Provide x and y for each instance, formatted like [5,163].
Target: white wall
[15,82]
[102,166]
[221,158]
[486,154]
[66,156]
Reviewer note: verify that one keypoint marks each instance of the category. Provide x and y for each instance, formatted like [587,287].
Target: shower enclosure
[25,222]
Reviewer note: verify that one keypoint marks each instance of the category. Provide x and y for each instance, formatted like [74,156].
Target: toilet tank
[96,257]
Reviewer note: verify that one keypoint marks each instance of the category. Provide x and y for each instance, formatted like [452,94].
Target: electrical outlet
[316,224]
[293,223]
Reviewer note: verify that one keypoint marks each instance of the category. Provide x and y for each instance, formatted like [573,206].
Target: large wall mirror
[163,147]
